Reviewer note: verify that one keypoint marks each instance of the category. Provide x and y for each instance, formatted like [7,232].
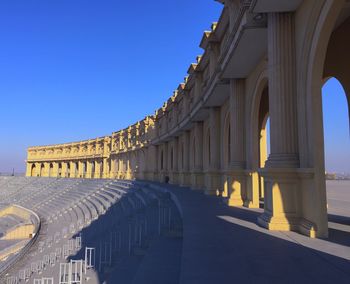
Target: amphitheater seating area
[92,231]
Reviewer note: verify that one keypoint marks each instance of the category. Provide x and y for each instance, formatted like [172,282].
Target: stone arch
[172,158]
[226,142]
[162,160]
[134,167]
[256,117]
[318,65]
[93,169]
[335,105]
[193,152]
[142,163]
[33,170]
[50,170]
[42,170]
[59,171]
[68,171]
[258,113]
[76,169]
[207,150]
[83,169]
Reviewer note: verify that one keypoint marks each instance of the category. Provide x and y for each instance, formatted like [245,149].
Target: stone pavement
[222,244]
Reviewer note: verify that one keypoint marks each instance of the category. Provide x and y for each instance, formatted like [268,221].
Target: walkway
[224,245]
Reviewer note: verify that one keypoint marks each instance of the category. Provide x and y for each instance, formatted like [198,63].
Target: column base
[287,224]
[197,180]
[185,179]
[235,202]
[212,183]
[283,202]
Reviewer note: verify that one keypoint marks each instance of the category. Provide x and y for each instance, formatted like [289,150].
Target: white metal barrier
[71,273]
[90,258]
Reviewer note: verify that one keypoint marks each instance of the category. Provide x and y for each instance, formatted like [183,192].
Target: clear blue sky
[79,69]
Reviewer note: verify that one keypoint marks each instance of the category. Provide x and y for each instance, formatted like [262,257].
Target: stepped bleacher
[91,230]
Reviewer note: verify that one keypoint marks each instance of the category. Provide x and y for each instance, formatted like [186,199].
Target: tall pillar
[282,91]
[28,169]
[151,163]
[113,167]
[213,177]
[64,170]
[175,166]
[164,171]
[282,198]
[88,169]
[197,176]
[237,177]
[55,169]
[185,155]
[105,168]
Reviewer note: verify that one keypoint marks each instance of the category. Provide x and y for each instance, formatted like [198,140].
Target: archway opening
[50,170]
[83,170]
[68,170]
[76,169]
[33,171]
[336,127]
[264,139]
[59,174]
[161,161]
[92,169]
[42,170]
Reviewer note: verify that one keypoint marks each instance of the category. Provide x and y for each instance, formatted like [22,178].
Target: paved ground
[224,245]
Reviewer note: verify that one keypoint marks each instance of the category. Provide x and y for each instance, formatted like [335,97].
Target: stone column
[197,171]
[185,172]
[151,162]
[237,177]
[55,169]
[283,202]
[175,168]
[282,91]
[88,169]
[113,166]
[165,162]
[28,169]
[105,168]
[213,177]
[64,169]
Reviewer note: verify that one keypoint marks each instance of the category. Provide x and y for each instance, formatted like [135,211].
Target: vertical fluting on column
[236,179]
[213,176]
[237,125]
[283,199]
[186,158]
[198,163]
[197,178]
[214,120]
[282,90]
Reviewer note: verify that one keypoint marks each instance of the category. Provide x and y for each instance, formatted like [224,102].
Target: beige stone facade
[262,59]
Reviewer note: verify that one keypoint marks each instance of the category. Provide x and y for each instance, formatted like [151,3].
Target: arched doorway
[92,169]
[337,156]
[50,170]
[336,126]
[326,56]
[59,173]
[263,139]
[33,171]
[42,170]
[68,173]
[226,157]
[83,169]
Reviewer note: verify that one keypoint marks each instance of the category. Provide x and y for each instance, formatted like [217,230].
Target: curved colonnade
[261,60]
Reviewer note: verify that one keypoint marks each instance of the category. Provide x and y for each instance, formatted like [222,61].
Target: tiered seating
[115,220]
